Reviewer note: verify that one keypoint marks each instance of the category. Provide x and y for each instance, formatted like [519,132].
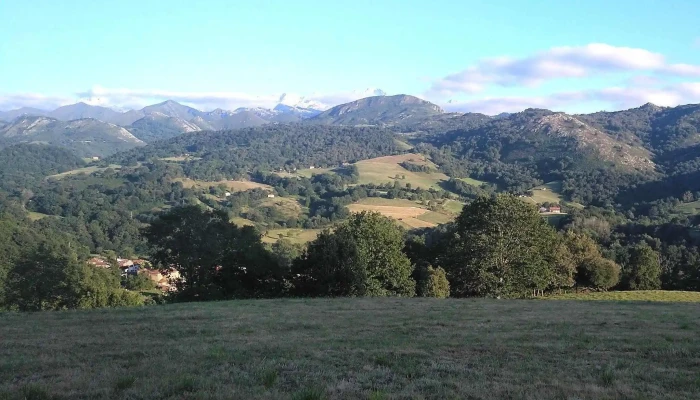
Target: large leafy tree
[362,257]
[591,269]
[44,279]
[644,269]
[215,259]
[501,246]
[53,277]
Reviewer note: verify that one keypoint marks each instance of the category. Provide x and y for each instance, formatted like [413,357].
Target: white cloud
[11,101]
[555,63]
[138,98]
[616,98]
[123,99]
[131,98]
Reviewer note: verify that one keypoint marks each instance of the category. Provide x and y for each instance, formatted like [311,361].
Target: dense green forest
[628,181]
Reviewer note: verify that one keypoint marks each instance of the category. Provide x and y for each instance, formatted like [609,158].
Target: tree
[644,270]
[215,258]
[501,247]
[138,282]
[363,257]
[590,267]
[599,273]
[432,282]
[53,278]
[44,279]
[285,252]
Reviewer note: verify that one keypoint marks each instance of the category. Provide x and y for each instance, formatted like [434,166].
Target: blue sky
[487,56]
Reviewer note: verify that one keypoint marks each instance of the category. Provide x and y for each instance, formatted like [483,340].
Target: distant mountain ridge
[379,110]
[86,137]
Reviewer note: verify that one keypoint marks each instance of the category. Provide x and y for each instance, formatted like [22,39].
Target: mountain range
[632,138]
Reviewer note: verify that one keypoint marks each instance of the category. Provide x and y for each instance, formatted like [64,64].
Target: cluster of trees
[498,247]
[238,153]
[44,269]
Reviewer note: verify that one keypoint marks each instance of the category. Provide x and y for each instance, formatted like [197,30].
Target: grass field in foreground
[639,295]
[356,349]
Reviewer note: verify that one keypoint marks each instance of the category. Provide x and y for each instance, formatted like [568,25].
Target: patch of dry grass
[637,295]
[234,186]
[86,170]
[181,158]
[35,216]
[288,206]
[409,214]
[356,349]
[389,211]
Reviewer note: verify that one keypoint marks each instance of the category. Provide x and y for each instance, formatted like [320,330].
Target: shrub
[432,282]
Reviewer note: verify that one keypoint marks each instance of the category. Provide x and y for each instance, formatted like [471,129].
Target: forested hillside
[622,185]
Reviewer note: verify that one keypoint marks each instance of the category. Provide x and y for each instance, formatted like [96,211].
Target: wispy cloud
[124,98]
[616,97]
[556,63]
[11,101]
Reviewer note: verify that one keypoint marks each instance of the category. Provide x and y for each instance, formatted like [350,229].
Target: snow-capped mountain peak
[296,101]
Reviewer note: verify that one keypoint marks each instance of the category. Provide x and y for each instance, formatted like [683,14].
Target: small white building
[95,158]
[227,194]
[271,196]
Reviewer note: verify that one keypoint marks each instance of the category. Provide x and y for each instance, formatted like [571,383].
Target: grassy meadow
[381,348]
[86,170]
[384,169]
[692,208]
[234,186]
[294,235]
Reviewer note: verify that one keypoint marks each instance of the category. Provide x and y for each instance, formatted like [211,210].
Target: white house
[271,196]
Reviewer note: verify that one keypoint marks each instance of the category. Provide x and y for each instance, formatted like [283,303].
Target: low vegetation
[637,295]
[356,349]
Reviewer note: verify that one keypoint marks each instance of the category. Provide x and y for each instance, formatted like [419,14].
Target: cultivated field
[234,186]
[408,214]
[356,349]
